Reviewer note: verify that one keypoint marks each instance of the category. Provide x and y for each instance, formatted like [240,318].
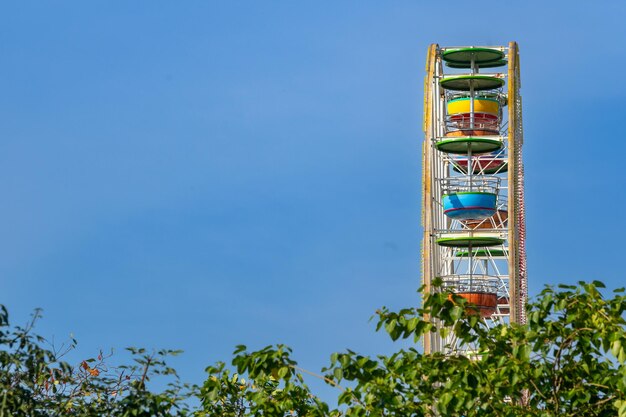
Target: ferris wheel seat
[464,121]
[501,98]
[482,253]
[461,145]
[470,213]
[482,105]
[483,303]
[482,165]
[497,221]
[472,132]
[470,240]
[469,205]
[467,82]
[479,291]
[479,117]
[465,55]
[504,306]
[467,65]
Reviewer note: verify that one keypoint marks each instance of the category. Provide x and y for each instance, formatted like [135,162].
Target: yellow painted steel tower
[473,183]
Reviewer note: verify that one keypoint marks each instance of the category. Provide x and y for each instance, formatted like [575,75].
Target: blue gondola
[469,205]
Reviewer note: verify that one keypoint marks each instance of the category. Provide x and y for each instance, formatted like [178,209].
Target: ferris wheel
[473,184]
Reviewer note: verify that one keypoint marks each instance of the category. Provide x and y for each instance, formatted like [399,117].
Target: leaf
[621,356]
[239,349]
[472,381]
[598,284]
[616,346]
[389,327]
[525,353]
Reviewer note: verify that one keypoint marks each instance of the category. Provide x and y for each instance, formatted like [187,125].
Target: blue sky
[201,174]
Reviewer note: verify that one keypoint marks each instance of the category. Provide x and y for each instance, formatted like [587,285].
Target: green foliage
[274,387]
[35,381]
[569,359]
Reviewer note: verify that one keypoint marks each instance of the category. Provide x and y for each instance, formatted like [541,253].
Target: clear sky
[199,174]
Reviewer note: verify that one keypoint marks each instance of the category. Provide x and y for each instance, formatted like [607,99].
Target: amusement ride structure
[473,184]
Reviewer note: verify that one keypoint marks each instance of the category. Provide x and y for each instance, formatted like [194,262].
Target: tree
[569,359]
[35,381]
